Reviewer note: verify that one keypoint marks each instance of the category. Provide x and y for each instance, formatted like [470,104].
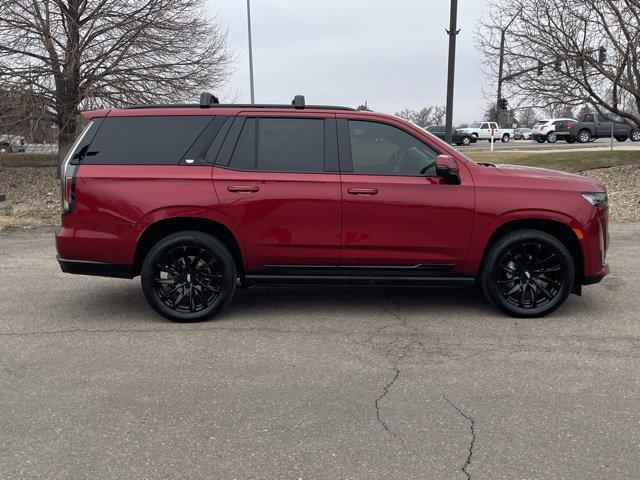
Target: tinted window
[283,145]
[588,118]
[602,118]
[380,149]
[485,126]
[145,140]
[437,129]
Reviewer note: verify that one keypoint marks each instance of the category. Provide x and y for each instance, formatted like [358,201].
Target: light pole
[503,34]
[253,100]
[453,33]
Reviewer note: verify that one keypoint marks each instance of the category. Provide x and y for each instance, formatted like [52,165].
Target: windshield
[475,125]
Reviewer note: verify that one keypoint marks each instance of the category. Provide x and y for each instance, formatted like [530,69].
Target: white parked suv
[545,130]
[486,130]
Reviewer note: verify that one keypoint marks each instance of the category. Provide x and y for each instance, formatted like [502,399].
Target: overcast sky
[390,53]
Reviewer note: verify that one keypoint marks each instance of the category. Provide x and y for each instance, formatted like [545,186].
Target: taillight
[68,172]
[567,125]
[68,193]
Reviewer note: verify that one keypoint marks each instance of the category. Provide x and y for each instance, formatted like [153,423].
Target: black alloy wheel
[528,273]
[188,276]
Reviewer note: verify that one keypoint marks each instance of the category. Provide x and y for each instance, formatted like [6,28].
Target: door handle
[243,188]
[362,191]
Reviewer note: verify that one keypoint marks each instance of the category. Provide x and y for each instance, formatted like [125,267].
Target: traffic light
[540,67]
[602,55]
[504,104]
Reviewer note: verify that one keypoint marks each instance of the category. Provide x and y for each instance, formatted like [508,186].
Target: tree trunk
[66,137]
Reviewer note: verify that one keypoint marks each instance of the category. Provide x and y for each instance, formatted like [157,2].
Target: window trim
[346,155]
[331,153]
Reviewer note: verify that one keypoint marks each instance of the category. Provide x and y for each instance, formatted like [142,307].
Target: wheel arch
[158,230]
[558,229]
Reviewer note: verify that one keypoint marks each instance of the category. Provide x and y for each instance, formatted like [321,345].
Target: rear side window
[161,140]
[588,118]
[280,145]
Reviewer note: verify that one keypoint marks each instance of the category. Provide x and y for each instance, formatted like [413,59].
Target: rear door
[277,180]
[396,211]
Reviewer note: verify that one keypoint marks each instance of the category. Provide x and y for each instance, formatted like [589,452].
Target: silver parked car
[522,134]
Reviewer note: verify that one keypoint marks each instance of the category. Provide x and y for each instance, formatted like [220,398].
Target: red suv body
[198,198]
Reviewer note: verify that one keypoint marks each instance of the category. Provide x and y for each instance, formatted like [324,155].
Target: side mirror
[447,169]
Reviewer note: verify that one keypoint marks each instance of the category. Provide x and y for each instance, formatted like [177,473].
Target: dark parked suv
[197,199]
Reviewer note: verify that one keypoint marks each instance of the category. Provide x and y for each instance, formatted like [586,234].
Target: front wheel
[540,139]
[188,276]
[635,136]
[466,141]
[584,136]
[569,140]
[505,138]
[552,137]
[527,273]
[621,139]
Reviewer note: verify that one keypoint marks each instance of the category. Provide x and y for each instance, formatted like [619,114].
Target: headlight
[598,199]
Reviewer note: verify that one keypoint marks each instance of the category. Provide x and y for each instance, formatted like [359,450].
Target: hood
[548,174]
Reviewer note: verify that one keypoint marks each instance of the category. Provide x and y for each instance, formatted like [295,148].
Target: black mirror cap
[447,169]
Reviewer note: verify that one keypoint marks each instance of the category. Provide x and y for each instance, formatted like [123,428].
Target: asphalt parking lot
[314,383]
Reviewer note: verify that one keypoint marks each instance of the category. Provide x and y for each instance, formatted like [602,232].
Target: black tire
[466,141]
[206,285]
[635,135]
[569,140]
[541,139]
[552,137]
[475,135]
[584,136]
[515,266]
[505,138]
[621,139]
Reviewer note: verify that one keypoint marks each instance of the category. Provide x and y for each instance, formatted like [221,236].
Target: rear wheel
[635,136]
[621,139]
[505,138]
[188,276]
[541,139]
[466,141]
[584,136]
[528,273]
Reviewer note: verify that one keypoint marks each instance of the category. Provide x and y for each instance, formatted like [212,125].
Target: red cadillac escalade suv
[197,199]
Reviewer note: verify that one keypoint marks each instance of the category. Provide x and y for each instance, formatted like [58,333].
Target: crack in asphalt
[394,353]
[473,436]
[385,390]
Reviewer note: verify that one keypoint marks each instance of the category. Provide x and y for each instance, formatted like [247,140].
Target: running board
[329,280]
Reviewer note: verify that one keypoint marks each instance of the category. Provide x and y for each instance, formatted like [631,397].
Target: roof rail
[208,100]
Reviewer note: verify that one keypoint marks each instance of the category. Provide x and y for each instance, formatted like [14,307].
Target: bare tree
[424,117]
[527,116]
[75,54]
[553,54]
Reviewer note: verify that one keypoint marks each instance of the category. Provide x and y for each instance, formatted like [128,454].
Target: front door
[278,184]
[396,211]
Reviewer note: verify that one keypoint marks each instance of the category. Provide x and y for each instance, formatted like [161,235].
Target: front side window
[280,145]
[588,118]
[485,126]
[380,149]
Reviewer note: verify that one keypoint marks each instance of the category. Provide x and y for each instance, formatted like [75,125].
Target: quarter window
[145,140]
[380,149]
[280,145]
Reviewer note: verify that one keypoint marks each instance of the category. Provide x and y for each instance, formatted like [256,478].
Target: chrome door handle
[243,188]
[362,191]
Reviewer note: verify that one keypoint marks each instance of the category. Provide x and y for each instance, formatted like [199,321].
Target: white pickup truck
[486,130]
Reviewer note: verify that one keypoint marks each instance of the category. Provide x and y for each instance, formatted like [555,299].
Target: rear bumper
[100,269]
